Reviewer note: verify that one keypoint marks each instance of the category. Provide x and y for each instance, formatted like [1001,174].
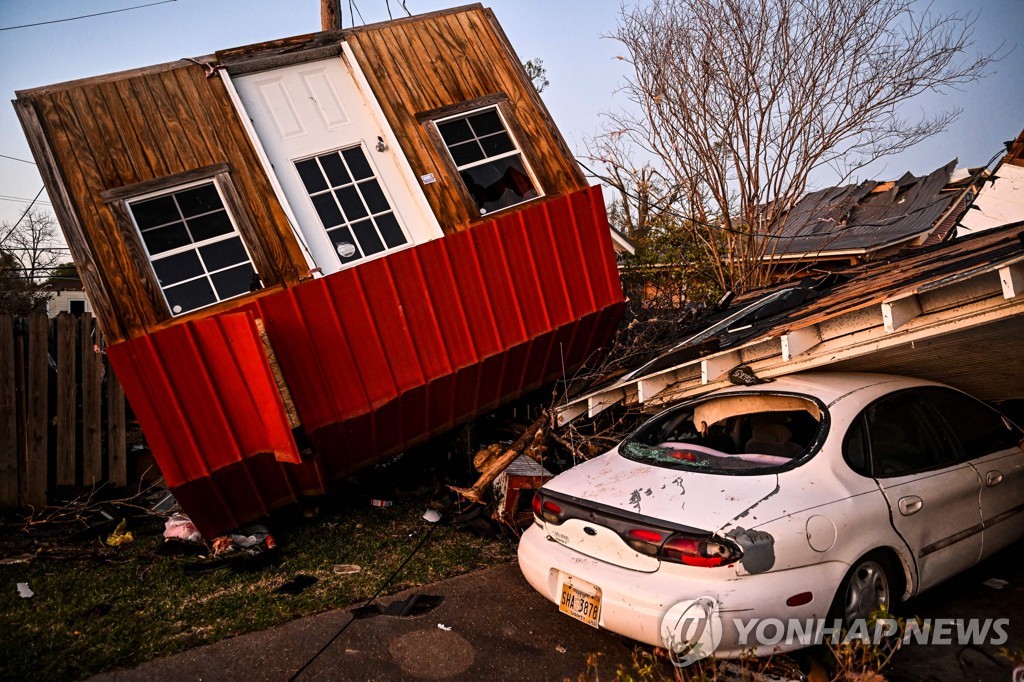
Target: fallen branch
[530,444]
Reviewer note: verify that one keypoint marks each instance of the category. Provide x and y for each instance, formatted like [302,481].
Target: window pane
[199,200]
[374,196]
[210,226]
[176,268]
[499,184]
[855,450]
[165,238]
[236,281]
[224,254]
[486,122]
[497,144]
[980,429]
[357,163]
[335,170]
[344,245]
[351,203]
[327,209]
[904,440]
[390,230]
[190,295]
[367,236]
[312,178]
[467,152]
[155,212]
[453,132]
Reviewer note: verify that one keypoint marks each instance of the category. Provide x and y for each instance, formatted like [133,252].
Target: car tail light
[644,540]
[546,509]
[698,551]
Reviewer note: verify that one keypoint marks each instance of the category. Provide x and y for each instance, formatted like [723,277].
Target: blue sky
[565,34]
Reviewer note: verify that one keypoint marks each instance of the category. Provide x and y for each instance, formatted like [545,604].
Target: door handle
[910,505]
[993,478]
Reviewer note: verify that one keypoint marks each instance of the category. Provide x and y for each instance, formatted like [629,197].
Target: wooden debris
[530,444]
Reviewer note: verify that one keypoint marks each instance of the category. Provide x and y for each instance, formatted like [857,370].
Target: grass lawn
[95,614]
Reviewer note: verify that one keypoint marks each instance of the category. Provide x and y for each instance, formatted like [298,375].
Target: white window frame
[194,246]
[518,151]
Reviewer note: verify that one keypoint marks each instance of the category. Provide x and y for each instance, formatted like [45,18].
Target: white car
[816,496]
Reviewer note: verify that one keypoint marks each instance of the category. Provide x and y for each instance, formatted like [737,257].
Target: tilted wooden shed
[356,238]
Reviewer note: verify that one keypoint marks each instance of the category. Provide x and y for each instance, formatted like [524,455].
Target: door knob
[910,505]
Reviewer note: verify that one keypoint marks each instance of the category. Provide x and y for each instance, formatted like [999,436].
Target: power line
[22,200]
[15,158]
[27,209]
[85,16]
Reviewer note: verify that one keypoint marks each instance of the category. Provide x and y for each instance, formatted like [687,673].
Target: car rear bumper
[634,604]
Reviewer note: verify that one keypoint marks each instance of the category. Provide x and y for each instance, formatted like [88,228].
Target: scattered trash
[222,545]
[432,516]
[165,505]
[297,584]
[180,527]
[19,559]
[251,536]
[995,583]
[382,504]
[442,626]
[24,591]
[121,535]
[346,569]
[560,649]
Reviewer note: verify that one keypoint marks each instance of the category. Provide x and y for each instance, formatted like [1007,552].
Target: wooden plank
[117,472]
[66,398]
[134,129]
[36,389]
[20,413]
[103,239]
[92,443]
[8,423]
[74,230]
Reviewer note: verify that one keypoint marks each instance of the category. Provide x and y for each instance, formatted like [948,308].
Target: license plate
[581,600]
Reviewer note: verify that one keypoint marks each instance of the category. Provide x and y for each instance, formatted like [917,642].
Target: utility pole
[330,15]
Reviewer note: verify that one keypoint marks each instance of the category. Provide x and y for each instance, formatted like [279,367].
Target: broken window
[351,204]
[194,246]
[743,433]
[488,159]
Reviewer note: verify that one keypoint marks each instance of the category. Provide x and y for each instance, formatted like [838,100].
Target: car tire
[868,587]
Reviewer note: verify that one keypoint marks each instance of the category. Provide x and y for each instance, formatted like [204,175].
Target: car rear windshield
[737,433]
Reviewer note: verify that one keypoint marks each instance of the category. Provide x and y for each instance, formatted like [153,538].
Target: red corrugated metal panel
[377,357]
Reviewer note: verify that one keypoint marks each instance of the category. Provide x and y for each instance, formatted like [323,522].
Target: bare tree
[737,102]
[34,243]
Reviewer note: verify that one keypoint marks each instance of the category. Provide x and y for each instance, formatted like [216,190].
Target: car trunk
[635,496]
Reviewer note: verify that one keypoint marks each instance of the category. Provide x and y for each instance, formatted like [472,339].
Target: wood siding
[417,66]
[102,134]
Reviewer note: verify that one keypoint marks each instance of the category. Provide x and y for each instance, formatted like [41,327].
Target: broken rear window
[738,433]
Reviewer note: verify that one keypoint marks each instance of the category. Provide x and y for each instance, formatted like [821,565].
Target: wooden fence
[62,410]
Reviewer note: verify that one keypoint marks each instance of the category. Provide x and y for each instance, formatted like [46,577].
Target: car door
[993,446]
[932,494]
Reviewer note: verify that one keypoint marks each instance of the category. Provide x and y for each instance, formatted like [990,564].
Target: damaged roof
[864,217]
[907,314]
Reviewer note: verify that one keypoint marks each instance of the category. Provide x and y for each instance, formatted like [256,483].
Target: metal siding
[377,357]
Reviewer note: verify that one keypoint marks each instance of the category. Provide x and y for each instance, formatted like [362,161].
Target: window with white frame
[488,159]
[194,246]
[349,200]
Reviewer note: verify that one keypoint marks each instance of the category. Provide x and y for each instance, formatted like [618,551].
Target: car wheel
[866,589]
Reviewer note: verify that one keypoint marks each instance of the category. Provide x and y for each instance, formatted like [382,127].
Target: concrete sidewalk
[500,629]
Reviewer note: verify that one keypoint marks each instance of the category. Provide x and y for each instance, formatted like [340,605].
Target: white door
[347,188]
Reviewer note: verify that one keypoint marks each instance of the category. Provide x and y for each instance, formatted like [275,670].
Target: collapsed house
[309,254]
[1000,201]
